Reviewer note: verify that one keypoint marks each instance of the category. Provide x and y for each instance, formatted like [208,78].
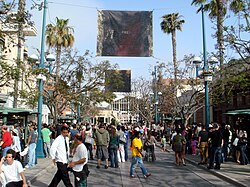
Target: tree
[140,99]
[169,25]
[59,36]
[237,37]
[82,83]
[218,10]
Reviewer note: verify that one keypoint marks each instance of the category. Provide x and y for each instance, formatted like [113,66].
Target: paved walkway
[233,173]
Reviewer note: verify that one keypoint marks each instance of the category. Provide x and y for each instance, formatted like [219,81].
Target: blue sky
[82,15]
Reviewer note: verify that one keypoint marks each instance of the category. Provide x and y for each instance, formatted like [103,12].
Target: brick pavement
[230,171]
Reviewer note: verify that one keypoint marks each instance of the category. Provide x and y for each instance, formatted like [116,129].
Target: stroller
[149,155]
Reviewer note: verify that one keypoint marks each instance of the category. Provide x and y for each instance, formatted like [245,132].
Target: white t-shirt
[12,172]
[81,152]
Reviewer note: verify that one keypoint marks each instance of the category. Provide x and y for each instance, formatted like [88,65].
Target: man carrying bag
[79,162]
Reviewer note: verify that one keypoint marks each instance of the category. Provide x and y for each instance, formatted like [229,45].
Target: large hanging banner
[124,33]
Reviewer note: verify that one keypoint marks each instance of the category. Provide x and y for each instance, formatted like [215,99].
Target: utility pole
[20,18]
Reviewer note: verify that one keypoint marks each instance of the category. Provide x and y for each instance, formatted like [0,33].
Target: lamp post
[206,72]
[39,147]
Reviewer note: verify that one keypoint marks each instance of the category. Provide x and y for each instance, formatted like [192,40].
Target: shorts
[102,152]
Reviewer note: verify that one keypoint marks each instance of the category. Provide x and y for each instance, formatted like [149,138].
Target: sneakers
[106,167]
[27,166]
[98,167]
[132,176]
[147,175]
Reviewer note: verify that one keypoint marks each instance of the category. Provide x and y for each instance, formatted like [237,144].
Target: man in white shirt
[59,153]
[12,170]
[79,162]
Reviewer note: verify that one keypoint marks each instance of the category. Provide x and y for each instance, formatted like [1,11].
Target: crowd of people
[71,146]
[215,145]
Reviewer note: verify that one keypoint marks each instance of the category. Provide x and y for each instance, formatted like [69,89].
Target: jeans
[5,150]
[89,148]
[244,159]
[113,156]
[126,151]
[32,154]
[46,146]
[215,155]
[137,160]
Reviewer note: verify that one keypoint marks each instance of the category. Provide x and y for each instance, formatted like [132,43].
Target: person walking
[16,144]
[88,140]
[102,142]
[13,170]
[137,156]
[59,153]
[113,147]
[216,147]
[122,142]
[32,146]
[46,133]
[6,140]
[179,143]
[79,162]
[203,145]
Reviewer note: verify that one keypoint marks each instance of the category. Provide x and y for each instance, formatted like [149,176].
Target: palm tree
[217,10]
[169,25]
[59,35]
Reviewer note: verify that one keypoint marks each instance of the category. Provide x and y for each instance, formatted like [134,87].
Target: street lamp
[207,73]
[39,147]
[41,78]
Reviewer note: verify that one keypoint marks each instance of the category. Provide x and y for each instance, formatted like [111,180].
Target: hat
[15,131]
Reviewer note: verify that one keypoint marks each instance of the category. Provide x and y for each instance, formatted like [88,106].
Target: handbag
[236,140]
[123,138]
[89,140]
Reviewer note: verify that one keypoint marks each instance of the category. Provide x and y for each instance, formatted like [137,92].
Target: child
[194,145]
[164,143]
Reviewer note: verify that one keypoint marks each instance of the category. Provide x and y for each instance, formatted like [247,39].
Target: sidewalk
[43,166]
[232,172]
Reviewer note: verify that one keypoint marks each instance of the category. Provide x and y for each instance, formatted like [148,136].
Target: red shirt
[7,139]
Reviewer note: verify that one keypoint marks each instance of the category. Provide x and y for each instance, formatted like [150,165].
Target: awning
[23,111]
[238,112]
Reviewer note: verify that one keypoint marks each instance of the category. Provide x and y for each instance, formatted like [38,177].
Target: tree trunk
[58,55]
[20,36]
[220,38]
[174,55]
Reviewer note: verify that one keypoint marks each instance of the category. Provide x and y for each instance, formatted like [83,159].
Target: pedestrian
[125,131]
[122,142]
[6,140]
[46,133]
[164,143]
[12,170]
[32,139]
[179,144]
[79,162]
[243,143]
[113,147]
[89,141]
[216,139]
[137,156]
[194,145]
[16,144]
[102,142]
[203,144]
[59,153]
[150,148]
